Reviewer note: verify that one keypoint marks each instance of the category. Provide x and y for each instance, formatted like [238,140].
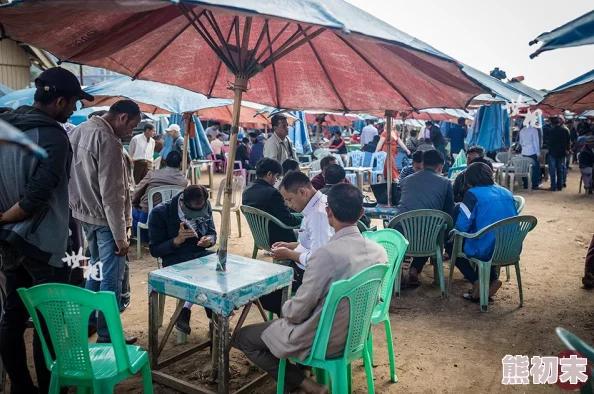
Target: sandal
[468,296]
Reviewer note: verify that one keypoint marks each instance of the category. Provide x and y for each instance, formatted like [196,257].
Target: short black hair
[128,107]
[432,158]
[293,180]
[266,165]
[427,141]
[478,174]
[158,137]
[149,126]
[101,112]
[338,132]
[479,150]
[195,194]
[413,133]
[429,123]
[555,121]
[461,121]
[215,123]
[276,119]
[245,140]
[370,121]
[173,159]
[334,174]
[290,165]
[417,157]
[47,97]
[346,202]
[326,161]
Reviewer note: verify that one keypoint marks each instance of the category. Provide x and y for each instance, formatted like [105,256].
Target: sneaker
[130,339]
[124,303]
[183,321]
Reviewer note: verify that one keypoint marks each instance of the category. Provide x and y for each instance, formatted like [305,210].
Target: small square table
[197,281]
[210,168]
[380,210]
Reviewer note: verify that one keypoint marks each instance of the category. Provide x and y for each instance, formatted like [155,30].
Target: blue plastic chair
[454,171]
[355,159]
[378,159]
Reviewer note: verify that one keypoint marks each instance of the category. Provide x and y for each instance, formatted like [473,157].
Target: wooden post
[239,88]
[389,159]
[188,120]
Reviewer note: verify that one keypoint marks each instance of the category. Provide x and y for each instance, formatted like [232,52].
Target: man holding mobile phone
[182,229]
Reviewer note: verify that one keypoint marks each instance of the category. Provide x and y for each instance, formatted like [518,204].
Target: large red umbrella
[326,55]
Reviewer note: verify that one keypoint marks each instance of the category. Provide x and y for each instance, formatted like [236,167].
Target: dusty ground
[442,346]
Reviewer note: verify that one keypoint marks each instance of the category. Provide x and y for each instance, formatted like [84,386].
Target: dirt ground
[442,345]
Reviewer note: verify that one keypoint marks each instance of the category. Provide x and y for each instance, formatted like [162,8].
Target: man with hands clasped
[181,230]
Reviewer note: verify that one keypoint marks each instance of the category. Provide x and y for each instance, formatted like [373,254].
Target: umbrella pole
[186,141]
[239,88]
[389,160]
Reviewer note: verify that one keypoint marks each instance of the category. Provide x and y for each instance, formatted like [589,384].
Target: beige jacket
[100,177]
[168,176]
[278,150]
[346,254]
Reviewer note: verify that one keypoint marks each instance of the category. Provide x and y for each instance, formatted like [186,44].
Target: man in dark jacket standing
[181,230]
[559,146]
[34,216]
[264,196]
[438,141]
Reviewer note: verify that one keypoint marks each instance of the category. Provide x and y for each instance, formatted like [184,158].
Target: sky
[496,33]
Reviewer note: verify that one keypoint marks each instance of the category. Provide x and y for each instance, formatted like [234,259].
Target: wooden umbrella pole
[389,160]
[239,88]
[188,119]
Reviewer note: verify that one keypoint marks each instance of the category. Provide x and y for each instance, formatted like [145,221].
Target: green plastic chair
[425,231]
[395,245]
[509,237]
[460,159]
[259,221]
[572,342]
[361,290]
[519,201]
[89,367]
[363,228]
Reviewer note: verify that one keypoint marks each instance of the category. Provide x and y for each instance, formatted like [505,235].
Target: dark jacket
[164,226]
[436,136]
[39,186]
[426,189]
[267,198]
[257,153]
[586,157]
[559,143]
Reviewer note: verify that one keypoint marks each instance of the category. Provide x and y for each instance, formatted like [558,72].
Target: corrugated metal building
[15,65]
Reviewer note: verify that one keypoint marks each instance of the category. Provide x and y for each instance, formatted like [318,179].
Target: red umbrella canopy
[314,54]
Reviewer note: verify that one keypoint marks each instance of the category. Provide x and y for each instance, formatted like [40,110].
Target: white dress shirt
[315,230]
[367,134]
[530,141]
[141,149]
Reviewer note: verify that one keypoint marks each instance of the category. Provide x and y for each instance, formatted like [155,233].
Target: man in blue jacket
[182,229]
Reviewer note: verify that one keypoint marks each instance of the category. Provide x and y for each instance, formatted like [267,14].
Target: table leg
[360,180]
[285,295]
[153,328]
[210,177]
[223,360]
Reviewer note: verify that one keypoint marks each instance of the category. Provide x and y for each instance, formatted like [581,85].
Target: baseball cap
[60,80]
[173,127]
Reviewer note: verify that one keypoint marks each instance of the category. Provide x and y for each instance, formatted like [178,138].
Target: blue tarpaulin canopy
[579,31]
[152,97]
[490,128]
[4,90]
[575,95]
[199,146]
[503,92]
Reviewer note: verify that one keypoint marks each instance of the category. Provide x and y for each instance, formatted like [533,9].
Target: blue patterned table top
[197,281]
[380,210]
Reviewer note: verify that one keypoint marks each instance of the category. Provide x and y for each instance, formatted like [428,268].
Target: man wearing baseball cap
[34,216]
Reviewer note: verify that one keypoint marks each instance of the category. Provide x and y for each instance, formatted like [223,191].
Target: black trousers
[272,302]
[23,271]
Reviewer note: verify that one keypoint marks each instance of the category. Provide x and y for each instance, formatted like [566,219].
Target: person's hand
[408,152]
[122,247]
[205,242]
[280,245]
[185,232]
[281,253]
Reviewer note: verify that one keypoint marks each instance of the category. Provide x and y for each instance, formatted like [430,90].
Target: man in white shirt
[213,129]
[368,133]
[142,149]
[530,143]
[216,143]
[315,232]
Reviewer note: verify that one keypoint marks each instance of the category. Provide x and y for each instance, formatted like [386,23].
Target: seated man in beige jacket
[346,254]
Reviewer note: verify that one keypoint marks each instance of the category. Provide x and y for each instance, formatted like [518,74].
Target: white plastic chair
[235,201]
[167,193]
[516,169]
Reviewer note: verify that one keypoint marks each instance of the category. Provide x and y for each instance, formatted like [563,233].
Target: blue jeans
[557,172]
[103,247]
[535,173]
